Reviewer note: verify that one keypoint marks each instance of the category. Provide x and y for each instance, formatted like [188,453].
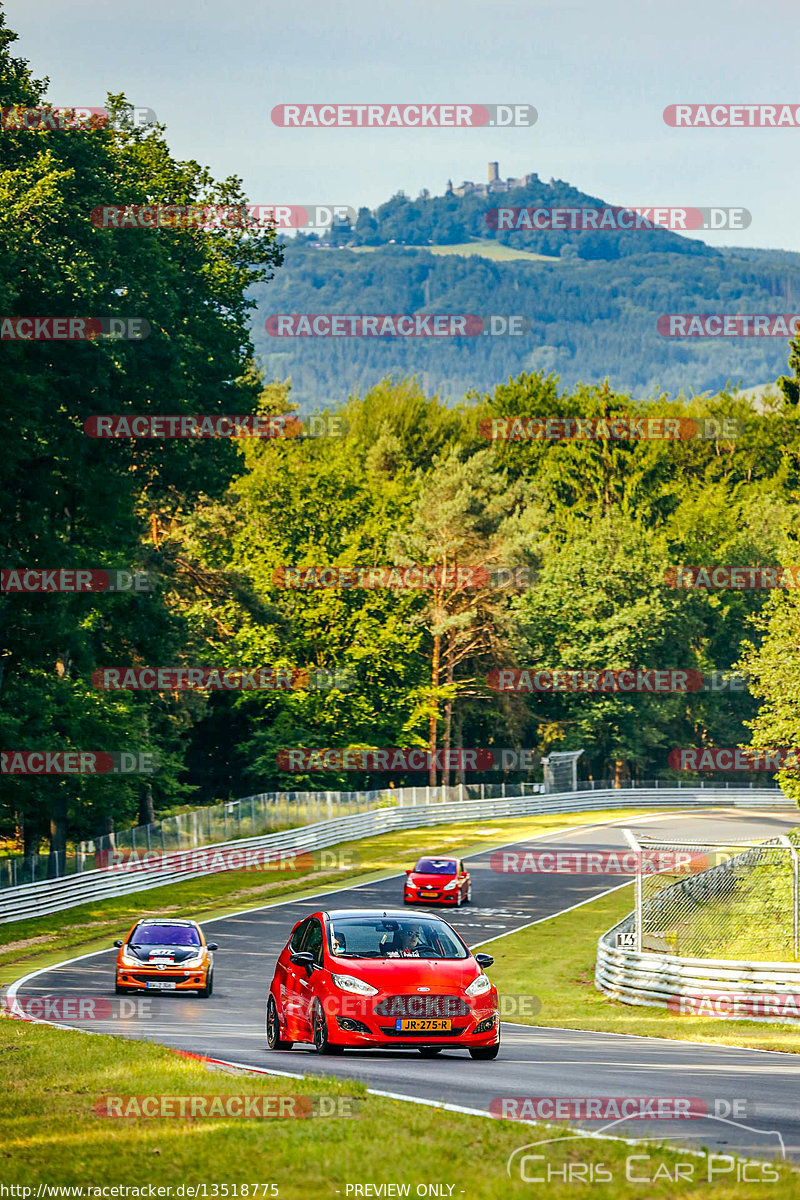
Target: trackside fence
[117,878]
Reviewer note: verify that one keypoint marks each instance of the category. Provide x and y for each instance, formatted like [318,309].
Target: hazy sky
[599,74]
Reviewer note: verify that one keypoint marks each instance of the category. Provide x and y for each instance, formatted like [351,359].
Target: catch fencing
[115,878]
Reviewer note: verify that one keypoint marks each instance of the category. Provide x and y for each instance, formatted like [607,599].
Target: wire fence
[270,812]
[718,900]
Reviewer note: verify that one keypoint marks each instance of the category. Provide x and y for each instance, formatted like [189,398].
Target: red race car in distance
[372,980]
[435,880]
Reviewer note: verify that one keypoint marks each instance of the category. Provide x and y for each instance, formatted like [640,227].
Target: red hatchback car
[434,880]
[371,980]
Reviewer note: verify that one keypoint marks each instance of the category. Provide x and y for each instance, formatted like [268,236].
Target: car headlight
[410,883]
[349,983]
[478,986]
[195,961]
[448,887]
[128,960]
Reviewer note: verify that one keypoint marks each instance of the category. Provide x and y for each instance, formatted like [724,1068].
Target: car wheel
[320,1029]
[119,991]
[468,896]
[206,991]
[274,1039]
[485,1051]
[430,1051]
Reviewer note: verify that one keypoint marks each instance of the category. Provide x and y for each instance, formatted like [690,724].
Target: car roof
[165,921]
[393,913]
[438,857]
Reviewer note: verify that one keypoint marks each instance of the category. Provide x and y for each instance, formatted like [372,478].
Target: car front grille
[425,1037]
[422,1006]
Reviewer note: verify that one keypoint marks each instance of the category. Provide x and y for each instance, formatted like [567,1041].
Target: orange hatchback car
[165,956]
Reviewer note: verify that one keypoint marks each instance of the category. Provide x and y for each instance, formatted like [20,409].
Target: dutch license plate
[423,1024]
[161,985]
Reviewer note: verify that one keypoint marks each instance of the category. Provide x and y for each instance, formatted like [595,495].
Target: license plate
[430,892]
[423,1024]
[162,985]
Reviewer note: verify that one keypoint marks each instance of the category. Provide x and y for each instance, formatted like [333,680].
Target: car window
[296,939]
[313,939]
[436,866]
[418,937]
[165,935]
[462,868]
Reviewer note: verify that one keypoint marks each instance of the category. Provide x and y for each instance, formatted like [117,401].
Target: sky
[598,74]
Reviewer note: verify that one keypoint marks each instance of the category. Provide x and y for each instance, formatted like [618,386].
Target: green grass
[43,941]
[50,1133]
[554,962]
[495,251]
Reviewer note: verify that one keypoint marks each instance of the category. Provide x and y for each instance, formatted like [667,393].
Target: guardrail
[40,899]
[725,988]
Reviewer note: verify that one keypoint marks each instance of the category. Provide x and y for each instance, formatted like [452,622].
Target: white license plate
[162,985]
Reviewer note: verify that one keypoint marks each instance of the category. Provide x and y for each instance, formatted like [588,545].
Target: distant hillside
[592,302]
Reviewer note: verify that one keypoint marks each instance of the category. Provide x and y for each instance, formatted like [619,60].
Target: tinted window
[313,939]
[165,935]
[297,937]
[394,937]
[436,866]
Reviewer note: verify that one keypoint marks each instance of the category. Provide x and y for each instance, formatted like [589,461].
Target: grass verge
[50,1134]
[554,962]
[43,941]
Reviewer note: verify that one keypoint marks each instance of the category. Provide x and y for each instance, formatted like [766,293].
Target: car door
[463,880]
[289,981]
[307,980]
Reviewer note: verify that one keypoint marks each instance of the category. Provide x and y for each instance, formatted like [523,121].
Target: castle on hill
[495,184]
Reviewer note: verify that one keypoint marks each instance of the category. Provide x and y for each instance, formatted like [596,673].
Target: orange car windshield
[165,935]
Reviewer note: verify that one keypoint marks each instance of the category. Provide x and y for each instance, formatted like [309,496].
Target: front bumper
[355,1025]
[182,979]
[414,897]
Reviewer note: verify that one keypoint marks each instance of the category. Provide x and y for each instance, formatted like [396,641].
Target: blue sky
[599,74]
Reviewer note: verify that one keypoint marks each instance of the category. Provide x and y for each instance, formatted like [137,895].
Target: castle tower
[494,172]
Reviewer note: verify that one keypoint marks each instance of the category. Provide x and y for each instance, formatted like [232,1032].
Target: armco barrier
[39,899]
[666,981]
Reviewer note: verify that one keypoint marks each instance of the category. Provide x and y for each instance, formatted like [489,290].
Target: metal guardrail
[40,899]
[727,989]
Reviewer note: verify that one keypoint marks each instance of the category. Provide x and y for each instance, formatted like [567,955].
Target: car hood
[177,954]
[407,974]
[432,880]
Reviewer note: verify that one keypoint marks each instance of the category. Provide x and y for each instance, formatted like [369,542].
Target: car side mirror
[212,946]
[118,943]
[302,958]
[409,870]
[484,960]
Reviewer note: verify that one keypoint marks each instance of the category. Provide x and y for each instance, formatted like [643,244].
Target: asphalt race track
[533,1061]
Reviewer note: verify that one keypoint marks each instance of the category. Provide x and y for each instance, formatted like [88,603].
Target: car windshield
[435,866]
[393,937]
[165,935]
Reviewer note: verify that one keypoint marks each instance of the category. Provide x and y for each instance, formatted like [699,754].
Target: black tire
[468,897]
[320,1033]
[430,1051]
[120,991]
[485,1051]
[273,1028]
[208,990]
